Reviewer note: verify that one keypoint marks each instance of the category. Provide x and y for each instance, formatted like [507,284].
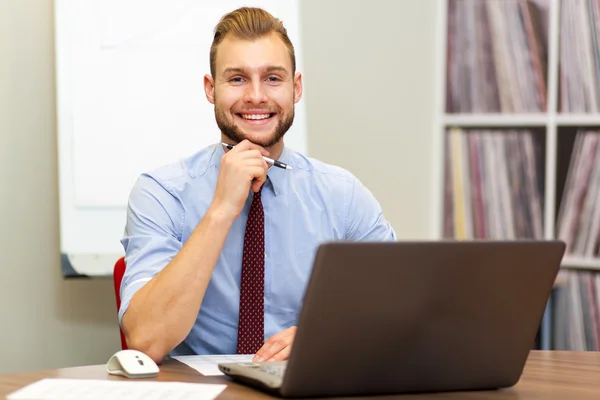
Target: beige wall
[45,321]
[369,97]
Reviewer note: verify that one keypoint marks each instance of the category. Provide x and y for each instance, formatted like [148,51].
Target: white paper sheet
[207,365]
[86,389]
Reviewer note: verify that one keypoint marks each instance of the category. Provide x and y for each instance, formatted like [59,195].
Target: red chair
[118,272]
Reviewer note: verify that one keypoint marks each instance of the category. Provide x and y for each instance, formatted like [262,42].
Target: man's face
[253,89]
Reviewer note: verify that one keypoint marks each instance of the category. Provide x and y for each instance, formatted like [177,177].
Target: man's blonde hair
[249,23]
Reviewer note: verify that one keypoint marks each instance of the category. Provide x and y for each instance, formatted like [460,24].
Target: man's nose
[255,93]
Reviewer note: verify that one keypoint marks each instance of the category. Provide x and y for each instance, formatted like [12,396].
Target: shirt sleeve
[152,235]
[364,217]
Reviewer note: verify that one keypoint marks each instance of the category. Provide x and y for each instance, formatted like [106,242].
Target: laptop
[409,317]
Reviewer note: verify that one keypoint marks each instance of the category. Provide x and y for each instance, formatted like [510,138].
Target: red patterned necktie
[252,286]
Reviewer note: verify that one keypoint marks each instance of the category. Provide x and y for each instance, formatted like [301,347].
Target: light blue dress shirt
[310,204]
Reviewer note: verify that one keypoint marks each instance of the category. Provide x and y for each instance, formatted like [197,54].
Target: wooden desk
[548,375]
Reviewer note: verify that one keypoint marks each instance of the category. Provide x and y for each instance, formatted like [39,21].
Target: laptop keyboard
[275,370]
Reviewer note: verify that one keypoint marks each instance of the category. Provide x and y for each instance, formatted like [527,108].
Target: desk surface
[548,375]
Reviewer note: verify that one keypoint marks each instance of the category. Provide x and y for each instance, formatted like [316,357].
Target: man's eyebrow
[269,69]
[276,68]
[233,70]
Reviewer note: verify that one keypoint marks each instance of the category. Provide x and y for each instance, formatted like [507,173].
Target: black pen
[267,159]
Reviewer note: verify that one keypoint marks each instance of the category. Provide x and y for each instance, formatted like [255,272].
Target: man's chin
[256,138]
[265,135]
[262,141]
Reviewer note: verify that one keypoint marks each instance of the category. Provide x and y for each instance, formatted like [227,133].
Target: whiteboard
[130,98]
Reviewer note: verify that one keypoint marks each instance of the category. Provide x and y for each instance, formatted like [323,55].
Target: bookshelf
[536,78]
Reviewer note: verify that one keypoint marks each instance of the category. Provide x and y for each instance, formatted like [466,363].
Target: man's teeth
[255,116]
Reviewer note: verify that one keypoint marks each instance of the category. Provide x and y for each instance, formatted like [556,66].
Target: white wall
[369,96]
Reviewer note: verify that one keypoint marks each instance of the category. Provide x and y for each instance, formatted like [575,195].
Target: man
[219,247]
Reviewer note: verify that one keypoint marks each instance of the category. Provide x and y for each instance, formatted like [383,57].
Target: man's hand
[278,347]
[241,168]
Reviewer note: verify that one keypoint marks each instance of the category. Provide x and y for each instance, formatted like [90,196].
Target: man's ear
[209,88]
[297,87]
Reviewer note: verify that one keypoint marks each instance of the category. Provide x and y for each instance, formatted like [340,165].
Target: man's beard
[236,135]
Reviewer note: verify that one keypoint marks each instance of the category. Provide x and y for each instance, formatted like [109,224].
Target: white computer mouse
[132,364]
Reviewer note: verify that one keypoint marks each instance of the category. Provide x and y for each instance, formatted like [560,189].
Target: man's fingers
[251,154]
[246,145]
[253,146]
[264,151]
[284,354]
[258,172]
[277,347]
[256,185]
[259,175]
[268,350]
[265,351]
[256,162]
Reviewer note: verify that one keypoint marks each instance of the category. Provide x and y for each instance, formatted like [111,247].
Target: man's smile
[256,118]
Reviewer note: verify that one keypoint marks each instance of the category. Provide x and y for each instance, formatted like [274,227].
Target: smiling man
[219,247]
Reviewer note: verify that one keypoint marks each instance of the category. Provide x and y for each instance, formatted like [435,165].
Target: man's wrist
[219,215]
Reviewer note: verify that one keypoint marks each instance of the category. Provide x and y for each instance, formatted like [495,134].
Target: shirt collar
[275,176]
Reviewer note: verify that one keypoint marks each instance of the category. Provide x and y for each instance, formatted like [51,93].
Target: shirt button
[265,255]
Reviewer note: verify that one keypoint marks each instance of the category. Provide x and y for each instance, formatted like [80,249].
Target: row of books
[493,186]
[578,222]
[496,56]
[577,302]
[580,56]
[576,317]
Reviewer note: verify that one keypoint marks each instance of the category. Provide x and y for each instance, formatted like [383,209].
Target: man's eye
[236,79]
[273,79]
